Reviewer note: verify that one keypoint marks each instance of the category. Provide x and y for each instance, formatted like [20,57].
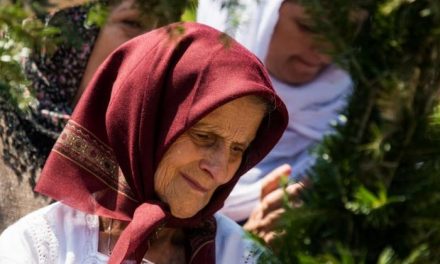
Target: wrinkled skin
[207,156]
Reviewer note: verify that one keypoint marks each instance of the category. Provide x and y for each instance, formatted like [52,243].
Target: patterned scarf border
[80,146]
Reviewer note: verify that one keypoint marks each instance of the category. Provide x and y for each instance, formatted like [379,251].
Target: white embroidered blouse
[60,234]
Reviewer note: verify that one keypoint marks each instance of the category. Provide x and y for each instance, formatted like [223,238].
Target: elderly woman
[156,143]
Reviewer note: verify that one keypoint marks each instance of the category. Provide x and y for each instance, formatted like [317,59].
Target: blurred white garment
[312,106]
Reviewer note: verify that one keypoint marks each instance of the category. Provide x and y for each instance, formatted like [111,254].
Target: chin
[299,79]
[299,75]
[294,79]
[183,214]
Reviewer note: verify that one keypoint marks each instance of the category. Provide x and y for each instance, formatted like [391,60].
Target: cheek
[282,47]
[113,36]
[163,179]
[325,58]
[273,58]
[176,158]
[233,168]
[105,44]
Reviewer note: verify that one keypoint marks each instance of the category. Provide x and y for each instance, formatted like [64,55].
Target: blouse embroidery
[45,241]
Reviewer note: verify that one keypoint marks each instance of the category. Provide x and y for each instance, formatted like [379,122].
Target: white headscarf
[312,106]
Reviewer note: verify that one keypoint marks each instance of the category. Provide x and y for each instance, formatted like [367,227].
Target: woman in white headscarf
[314,90]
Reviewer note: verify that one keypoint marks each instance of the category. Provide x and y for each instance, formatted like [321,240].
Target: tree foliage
[375,189]
[20,32]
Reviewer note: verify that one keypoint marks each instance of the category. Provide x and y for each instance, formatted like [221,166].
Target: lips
[195,185]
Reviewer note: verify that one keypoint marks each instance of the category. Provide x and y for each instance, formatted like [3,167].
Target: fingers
[266,215]
[272,180]
[275,199]
[270,221]
[270,237]
[264,227]
[272,201]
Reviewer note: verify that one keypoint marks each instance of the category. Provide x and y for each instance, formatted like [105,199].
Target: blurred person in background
[280,33]
[57,79]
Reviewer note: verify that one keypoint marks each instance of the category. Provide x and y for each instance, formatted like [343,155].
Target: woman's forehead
[240,117]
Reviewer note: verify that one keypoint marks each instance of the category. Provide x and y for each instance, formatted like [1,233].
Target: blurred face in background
[294,55]
[124,22]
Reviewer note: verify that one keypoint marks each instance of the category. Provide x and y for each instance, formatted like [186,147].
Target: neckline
[101,256]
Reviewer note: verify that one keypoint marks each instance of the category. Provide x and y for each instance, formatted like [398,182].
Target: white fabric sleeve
[16,245]
[231,243]
[243,199]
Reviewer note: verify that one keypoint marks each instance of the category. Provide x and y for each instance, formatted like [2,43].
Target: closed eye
[305,26]
[132,23]
[238,150]
[203,138]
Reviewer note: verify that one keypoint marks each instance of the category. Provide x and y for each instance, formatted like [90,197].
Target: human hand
[267,213]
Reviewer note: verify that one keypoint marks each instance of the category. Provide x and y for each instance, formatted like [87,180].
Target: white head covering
[312,106]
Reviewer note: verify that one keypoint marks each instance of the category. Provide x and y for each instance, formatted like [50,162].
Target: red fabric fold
[133,242]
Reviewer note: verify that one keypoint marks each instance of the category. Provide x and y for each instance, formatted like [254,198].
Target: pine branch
[375,186]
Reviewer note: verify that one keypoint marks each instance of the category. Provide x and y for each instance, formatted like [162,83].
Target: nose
[215,163]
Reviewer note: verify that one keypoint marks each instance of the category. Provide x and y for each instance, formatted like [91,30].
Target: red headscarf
[144,96]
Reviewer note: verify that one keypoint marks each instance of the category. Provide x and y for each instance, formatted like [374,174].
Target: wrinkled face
[124,22]
[294,55]
[206,156]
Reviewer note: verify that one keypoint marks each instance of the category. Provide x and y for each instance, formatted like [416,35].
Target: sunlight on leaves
[366,201]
